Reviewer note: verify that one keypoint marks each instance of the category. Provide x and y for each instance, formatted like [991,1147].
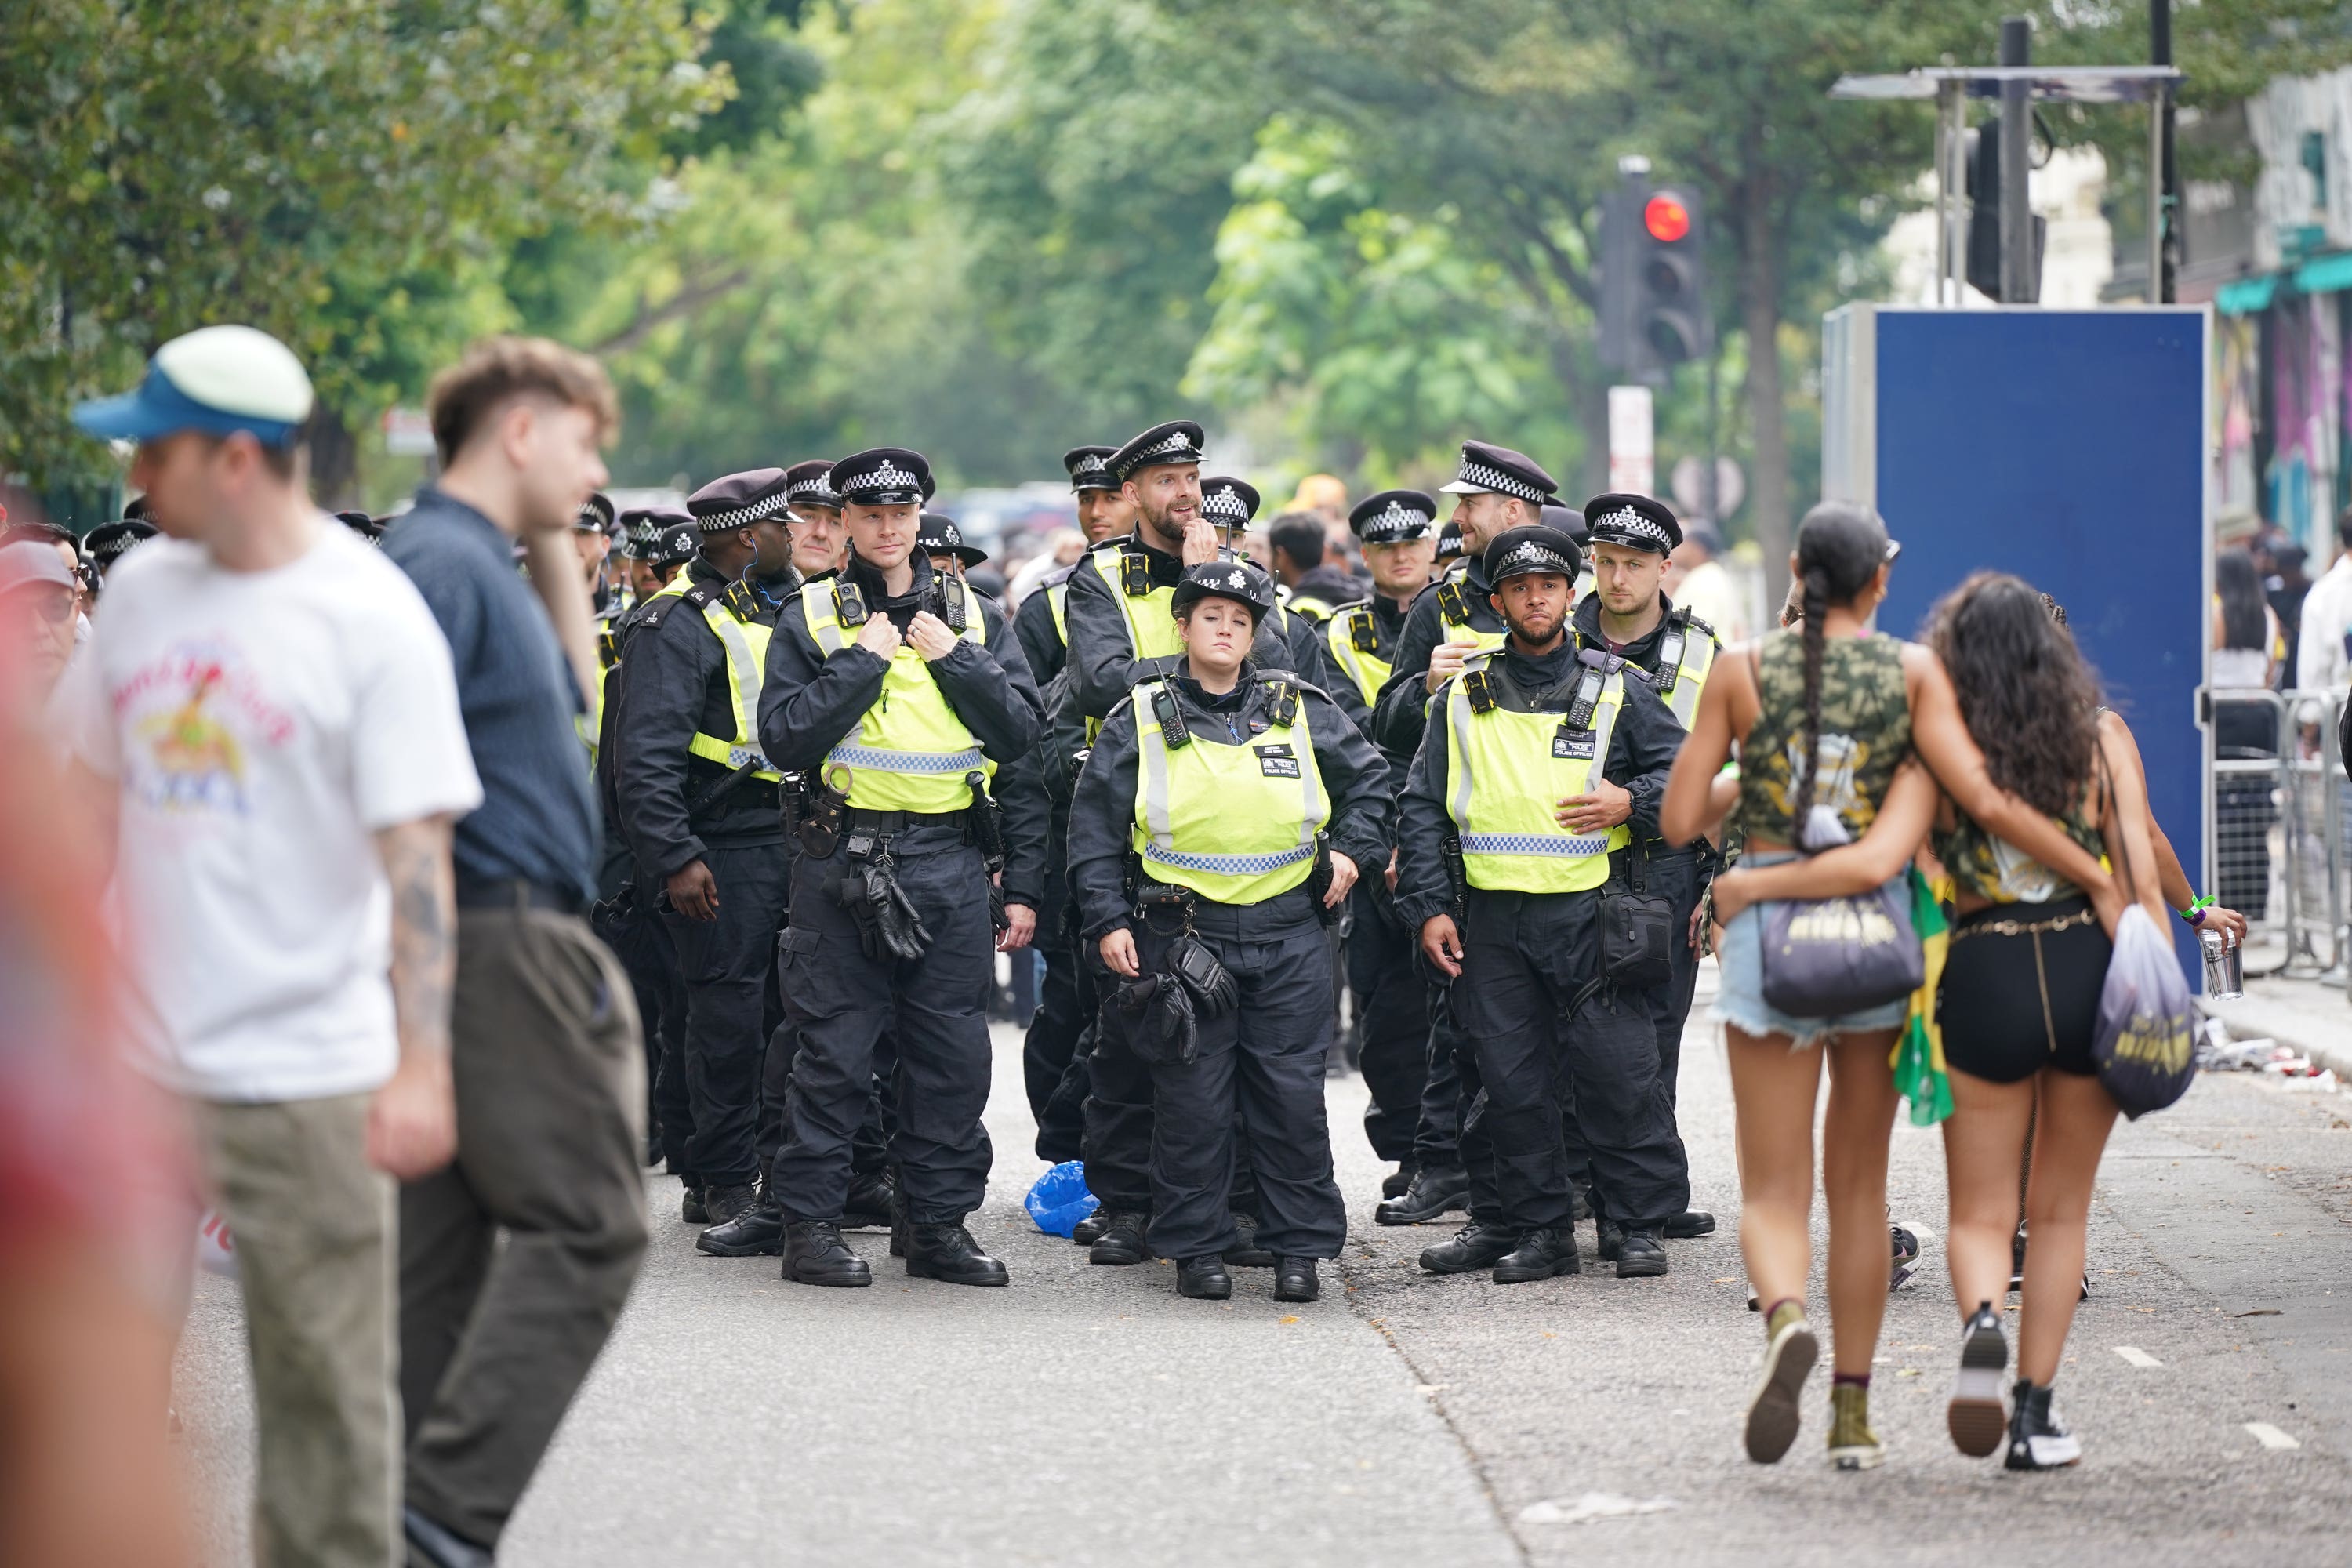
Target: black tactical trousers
[842,1004]
[1256,1084]
[1392,1011]
[1437,1136]
[1531,1003]
[870,1152]
[1066,1002]
[639,939]
[728,969]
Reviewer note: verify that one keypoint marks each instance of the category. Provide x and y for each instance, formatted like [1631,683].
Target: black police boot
[1431,1195]
[1122,1240]
[438,1546]
[690,1208]
[1393,1184]
[1089,1230]
[1641,1256]
[814,1254]
[1690,1224]
[1541,1254]
[1609,1240]
[723,1204]
[1295,1280]
[948,1253]
[758,1231]
[1245,1253]
[1474,1247]
[1203,1279]
[872,1201]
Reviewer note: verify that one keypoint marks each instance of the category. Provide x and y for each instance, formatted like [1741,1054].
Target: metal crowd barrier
[2277,832]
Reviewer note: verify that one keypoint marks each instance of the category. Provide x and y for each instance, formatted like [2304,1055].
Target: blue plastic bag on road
[1060,1199]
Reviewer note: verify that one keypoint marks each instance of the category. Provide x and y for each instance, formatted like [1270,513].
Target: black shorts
[2012,1004]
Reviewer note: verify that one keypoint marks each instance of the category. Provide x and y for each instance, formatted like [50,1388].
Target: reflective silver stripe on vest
[1532,844]
[1457,719]
[746,675]
[1232,865]
[887,761]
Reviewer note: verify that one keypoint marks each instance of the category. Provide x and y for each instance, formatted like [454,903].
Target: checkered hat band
[1397,518]
[1632,528]
[815,489]
[1485,477]
[889,477]
[1225,504]
[742,516]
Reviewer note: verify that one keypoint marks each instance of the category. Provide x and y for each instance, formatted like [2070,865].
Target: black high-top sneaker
[2036,1441]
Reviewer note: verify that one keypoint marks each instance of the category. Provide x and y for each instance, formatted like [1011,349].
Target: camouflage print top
[1866,732]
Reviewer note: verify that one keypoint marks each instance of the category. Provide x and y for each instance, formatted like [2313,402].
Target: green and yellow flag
[1919,1058]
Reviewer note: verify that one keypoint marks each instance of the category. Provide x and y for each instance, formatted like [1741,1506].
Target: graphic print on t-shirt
[194,720]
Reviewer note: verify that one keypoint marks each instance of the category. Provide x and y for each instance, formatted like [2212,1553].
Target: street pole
[2164,245]
[2018,286]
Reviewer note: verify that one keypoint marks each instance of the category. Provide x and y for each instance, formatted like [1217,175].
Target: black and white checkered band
[1090,467]
[647,534]
[815,489]
[1396,520]
[1225,508]
[1537,557]
[743,516]
[1233,580]
[889,477]
[1490,479]
[1177,447]
[1626,526]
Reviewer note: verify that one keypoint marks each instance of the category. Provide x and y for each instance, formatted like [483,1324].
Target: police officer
[110,541]
[1539,759]
[1454,617]
[900,692]
[1395,527]
[1229,504]
[1628,615]
[702,811]
[592,532]
[940,540]
[1201,863]
[1121,629]
[657,543]
[818,542]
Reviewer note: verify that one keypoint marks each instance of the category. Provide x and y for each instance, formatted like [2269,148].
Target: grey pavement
[1088,1416]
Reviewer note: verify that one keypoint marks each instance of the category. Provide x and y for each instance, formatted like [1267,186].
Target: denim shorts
[1739,992]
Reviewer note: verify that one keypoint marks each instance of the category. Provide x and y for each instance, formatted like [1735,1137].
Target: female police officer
[1224,812]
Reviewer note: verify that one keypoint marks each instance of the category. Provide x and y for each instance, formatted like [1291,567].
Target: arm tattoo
[424,930]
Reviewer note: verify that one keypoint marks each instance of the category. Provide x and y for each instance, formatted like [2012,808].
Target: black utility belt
[858,818]
[515,893]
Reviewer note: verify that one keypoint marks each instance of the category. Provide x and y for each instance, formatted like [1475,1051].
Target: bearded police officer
[1219,823]
[1539,759]
[1629,616]
[898,693]
[1454,617]
[1391,996]
[701,809]
[1230,505]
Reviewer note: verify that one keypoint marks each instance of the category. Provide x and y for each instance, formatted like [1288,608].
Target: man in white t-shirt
[268,705]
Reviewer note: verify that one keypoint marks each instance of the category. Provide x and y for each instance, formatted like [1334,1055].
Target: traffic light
[1983,191]
[1653,309]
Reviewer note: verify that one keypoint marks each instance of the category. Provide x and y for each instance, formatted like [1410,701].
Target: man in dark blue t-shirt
[545,1049]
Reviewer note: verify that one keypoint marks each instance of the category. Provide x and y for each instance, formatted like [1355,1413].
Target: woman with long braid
[1843,736]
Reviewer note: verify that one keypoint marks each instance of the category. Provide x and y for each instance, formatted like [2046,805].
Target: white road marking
[2270,1437]
[2137,1356]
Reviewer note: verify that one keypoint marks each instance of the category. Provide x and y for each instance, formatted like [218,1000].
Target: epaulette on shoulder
[699,596]
[1058,576]
[1145,670]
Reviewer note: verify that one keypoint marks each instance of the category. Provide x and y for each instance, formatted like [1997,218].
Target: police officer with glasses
[1628,613]
[1219,824]
[897,692]
[1539,759]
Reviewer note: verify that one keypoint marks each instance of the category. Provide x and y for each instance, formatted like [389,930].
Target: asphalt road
[1089,1415]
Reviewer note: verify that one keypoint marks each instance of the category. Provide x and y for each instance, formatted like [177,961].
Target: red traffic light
[1666,218]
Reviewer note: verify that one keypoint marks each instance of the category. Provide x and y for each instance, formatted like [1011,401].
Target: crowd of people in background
[464,862]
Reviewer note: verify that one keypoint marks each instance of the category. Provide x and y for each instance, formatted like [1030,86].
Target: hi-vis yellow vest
[1352,633]
[1686,656]
[909,752]
[1454,608]
[1508,771]
[1235,824]
[1150,622]
[746,643]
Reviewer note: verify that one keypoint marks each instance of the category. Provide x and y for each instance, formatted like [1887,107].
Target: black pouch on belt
[1636,926]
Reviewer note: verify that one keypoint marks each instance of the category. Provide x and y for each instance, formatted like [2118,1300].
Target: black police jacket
[1642,747]
[674,684]
[1102,662]
[1399,715]
[1033,623]
[808,701]
[1642,651]
[1102,808]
